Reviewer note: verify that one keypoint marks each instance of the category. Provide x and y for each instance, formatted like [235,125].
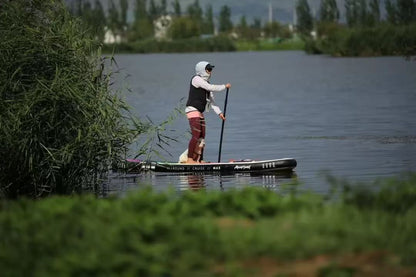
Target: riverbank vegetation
[365,230]
[365,32]
[359,28]
[61,125]
[186,45]
[156,28]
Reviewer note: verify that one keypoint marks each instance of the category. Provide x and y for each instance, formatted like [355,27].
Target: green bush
[384,39]
[214,44]
[60,124]
[197,233]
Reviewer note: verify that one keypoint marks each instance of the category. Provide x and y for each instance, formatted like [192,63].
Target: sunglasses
[209,67]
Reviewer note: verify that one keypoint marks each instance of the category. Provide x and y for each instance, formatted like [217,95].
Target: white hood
[200,70]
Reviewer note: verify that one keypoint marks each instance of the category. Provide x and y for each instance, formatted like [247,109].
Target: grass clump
[60,124]
[247,232]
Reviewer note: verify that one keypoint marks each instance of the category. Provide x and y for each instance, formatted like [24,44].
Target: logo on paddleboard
[242,167]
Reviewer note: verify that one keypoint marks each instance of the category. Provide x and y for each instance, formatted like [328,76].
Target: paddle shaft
[222,127]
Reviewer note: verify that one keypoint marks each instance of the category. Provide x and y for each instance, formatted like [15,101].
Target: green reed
[61,126]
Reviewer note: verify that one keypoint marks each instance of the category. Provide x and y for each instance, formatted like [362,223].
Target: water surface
[351,117]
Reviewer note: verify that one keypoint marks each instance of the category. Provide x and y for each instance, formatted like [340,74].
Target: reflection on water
[120,183]
[352,117]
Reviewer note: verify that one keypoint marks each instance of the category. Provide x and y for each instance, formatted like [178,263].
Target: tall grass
[208,233]
[60,125]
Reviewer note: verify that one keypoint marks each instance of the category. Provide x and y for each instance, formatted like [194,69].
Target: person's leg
[202,140]
[195,125]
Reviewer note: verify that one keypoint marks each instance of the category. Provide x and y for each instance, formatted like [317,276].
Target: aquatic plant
[61,125]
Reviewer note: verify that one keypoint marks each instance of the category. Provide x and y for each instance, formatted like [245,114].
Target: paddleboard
[285,164]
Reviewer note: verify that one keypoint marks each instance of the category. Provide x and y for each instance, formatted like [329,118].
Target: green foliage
[208,26]
[391,12]
[304,15]
[395,195]
[114,20]
[328,11]
[183,28]
[225,23]
[195,13]
[214,44]
[270,45]
[356,12]
[142,28]
[384,39]
[276,30]
[177,8]
[165,234]
[60,125]
[406,11]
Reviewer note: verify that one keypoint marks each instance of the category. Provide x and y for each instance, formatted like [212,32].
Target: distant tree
[391,10]
[208,26]
[329,11]
[140,11]
[225,23]
[163,7]
[362,12]
[77,7]
[356,12]
[184,27]
[304,16]
[195,13]
[124,6]
[86,13]
[351,12]
[406,11]
[153,10]
[272,29]
[142,26]
[114,18]
[256,23]
[374,13]
[100,21]
[242,28]
[242,25]
[177,8]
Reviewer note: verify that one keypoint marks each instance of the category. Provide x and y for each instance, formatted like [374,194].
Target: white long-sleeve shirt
[199,82]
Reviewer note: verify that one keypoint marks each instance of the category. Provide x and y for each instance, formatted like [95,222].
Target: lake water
[353,118]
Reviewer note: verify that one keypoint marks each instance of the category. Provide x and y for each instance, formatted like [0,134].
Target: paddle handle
[222,127]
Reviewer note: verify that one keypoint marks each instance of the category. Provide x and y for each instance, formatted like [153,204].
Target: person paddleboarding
[201,99]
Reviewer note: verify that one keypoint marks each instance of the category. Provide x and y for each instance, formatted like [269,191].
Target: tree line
[324,32]
[364,32]
[191,22]
[358,13]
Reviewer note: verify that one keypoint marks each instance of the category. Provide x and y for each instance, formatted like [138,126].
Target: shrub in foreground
[60,125]
[165,234]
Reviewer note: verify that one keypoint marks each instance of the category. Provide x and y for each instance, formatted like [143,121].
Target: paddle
[222,127]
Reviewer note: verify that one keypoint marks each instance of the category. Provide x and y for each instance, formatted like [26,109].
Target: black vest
[197,97]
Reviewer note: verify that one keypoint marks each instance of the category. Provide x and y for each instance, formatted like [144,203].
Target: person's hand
[222,116]
[228,85]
